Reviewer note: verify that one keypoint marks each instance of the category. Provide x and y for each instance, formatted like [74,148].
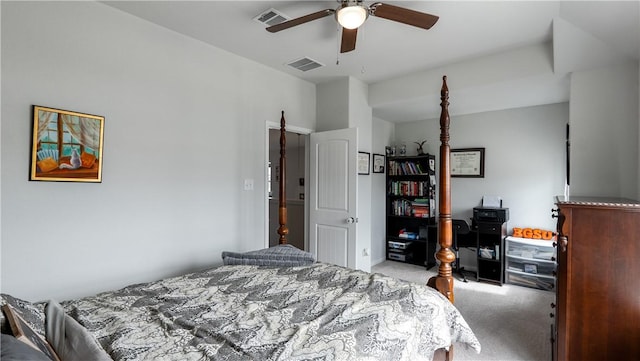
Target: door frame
[298,130]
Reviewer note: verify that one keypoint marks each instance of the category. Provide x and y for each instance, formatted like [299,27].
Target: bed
[263,309]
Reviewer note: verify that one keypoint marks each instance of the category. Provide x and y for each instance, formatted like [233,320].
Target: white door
[333,196]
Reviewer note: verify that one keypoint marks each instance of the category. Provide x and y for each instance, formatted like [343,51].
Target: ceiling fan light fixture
[351,17]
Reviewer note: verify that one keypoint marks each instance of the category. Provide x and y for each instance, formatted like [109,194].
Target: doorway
[295,184]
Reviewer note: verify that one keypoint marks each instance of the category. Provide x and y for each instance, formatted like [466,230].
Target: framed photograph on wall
[378,163]
[363,162]
[467,162]
[66,146]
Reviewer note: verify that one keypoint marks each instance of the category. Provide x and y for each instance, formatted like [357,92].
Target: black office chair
[460,226]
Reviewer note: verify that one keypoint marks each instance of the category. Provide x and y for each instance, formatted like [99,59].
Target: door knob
[351,220]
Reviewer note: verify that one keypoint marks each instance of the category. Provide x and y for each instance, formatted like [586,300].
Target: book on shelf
[407,235]
[420,211]
[408,188]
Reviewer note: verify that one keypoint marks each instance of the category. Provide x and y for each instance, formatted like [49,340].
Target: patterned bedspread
[317,312]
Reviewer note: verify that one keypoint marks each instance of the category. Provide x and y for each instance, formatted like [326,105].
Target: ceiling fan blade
[301,20]
[348,40]
[403,15]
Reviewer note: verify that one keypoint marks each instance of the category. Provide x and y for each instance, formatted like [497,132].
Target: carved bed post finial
[282,194]
[443,282]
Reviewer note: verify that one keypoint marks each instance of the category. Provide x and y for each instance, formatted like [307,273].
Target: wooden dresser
[597,309]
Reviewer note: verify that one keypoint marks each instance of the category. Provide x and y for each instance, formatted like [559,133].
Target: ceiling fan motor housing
[351,14]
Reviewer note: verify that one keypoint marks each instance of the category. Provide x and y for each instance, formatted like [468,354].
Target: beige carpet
[511,322]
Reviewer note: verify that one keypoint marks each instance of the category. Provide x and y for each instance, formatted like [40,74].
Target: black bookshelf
[411,234]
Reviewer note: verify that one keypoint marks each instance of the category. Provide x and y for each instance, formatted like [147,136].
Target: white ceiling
[386,49]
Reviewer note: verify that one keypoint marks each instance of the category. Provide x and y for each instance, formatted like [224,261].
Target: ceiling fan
[350,14]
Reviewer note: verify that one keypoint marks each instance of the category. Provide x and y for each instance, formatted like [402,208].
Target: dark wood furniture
[443,282]
[597,309]
[410,216]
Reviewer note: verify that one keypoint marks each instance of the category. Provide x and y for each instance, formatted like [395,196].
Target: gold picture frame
[66,146]
[23,332]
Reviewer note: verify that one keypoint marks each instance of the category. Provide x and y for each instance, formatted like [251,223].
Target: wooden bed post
[443,282]
[282,194]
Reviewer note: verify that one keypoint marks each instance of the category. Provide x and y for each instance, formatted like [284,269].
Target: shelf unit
[410,214]
[490,251]
[530,263]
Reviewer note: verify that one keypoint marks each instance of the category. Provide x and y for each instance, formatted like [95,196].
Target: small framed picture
[363,162]
[378,163]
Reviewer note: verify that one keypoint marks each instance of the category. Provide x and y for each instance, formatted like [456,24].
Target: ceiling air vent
[304,64]
[271,17]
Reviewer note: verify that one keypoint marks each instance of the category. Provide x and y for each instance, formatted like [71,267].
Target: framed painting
[378,163]
[66,146]
[22,331]
[467,162]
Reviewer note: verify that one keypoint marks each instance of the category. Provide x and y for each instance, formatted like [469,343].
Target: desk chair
[460,226]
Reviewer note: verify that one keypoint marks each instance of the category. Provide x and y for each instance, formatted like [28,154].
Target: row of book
[409,188]
[406,168]
[419,207]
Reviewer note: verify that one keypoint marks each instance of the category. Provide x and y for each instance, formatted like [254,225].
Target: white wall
[604,131]
[360,116]
[185,125]
[383,134]
[524,159]
[333,105]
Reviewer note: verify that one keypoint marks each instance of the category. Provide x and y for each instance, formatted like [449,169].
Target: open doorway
[295,185]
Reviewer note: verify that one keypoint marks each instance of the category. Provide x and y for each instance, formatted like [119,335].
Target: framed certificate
[467,162]
[363,162]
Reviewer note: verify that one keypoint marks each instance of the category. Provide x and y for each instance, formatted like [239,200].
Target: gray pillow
[12,349]
[284,255]
[69,339]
